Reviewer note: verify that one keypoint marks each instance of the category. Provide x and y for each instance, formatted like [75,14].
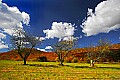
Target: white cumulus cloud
[2,36]
[71,38]
[11,18]
[41,49]
[48,47]
[42,38]
[60,30]
[80,36]
[0,1]
[105,18]
[3,45]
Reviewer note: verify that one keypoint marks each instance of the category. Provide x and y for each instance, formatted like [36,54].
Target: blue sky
[44,12]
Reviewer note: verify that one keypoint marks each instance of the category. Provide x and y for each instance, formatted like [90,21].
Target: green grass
[14,70]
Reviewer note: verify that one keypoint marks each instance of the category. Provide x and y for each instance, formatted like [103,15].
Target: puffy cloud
[41,49]
[71,38]
[0,1]
[80,36]
[9,31]
[3,45]
[105,18]
[25,18]
[60,30]
[42,38]
[11,18]
[48,47]
[2,36]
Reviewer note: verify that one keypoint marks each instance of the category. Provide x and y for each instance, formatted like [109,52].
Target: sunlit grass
[14,70]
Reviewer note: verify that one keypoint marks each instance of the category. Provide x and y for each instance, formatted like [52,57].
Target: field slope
[14,70]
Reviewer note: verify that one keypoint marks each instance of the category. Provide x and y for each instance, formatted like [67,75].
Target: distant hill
[51,56]
[13,55]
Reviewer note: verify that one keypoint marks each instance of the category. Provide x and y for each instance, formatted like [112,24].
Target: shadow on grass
[109,68]
[41,65]
[78,66]
[95,67]
[57,66]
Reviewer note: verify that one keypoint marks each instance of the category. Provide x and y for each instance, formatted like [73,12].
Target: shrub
[32,59]
[68,60]
[74,60]
[42,59]
[57,60]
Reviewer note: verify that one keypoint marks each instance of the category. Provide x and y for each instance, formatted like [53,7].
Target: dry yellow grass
[14,70]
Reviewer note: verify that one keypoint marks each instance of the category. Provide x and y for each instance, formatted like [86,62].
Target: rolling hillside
[13,55]
[80,53]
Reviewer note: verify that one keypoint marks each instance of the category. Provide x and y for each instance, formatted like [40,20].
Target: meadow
[15,70]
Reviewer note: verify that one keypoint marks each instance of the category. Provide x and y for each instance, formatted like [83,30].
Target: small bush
[33,59]
[74,60]
[42,59]
[68,60]
[18,59]
[57,60]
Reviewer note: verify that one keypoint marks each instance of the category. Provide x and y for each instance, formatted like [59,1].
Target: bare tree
[94,53]
[104,47]
[91,54]
[62,48]
[21,41]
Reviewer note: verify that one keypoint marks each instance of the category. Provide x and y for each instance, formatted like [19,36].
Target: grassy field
[14,70]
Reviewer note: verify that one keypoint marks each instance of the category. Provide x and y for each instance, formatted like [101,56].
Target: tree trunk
[91,63]
[61,62]
[24,61]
